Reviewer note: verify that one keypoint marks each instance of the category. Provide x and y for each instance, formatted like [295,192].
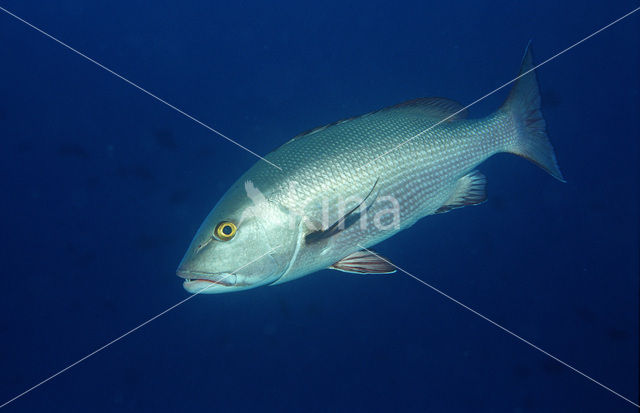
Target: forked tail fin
[523,104]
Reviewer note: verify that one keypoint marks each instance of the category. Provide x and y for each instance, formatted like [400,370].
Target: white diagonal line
[503,86]
[502,328]
[129,332]
[137,86]
[248,150]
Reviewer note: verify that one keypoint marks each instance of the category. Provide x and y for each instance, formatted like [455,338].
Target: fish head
[245,242]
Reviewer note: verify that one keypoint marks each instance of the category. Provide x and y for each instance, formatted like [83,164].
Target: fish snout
[204,279]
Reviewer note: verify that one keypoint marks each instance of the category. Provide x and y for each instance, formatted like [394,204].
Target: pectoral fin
[469,190]
[364,262]
[345,221]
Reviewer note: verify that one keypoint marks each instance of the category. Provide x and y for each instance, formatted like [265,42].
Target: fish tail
[523,104]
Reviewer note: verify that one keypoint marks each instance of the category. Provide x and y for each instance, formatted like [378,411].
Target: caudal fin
[523,104]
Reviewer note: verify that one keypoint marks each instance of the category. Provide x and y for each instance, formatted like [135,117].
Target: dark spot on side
[164,138]
[72,150]
[3,114]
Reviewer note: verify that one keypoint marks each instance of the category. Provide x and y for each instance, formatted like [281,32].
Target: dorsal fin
[320,128]
[434,108]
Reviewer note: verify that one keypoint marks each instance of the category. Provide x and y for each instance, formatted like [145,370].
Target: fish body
[347,186]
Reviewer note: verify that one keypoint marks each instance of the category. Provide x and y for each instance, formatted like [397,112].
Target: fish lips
[206,283]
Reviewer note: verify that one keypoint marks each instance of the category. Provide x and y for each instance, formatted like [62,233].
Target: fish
[342,188]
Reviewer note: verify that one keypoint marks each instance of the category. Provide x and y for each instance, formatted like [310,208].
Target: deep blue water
[103,188]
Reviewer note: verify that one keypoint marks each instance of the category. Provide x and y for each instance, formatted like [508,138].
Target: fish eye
[225,230]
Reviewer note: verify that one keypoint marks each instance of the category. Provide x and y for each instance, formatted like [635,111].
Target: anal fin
[469,190]
[364,262]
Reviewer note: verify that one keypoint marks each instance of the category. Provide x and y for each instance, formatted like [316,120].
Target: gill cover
[246,241]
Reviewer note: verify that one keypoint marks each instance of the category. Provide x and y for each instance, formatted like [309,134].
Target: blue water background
[103,187]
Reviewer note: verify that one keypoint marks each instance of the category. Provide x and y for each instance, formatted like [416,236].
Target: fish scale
[420,175]
[416,158]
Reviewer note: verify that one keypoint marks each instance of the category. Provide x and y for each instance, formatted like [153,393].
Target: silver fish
[336,194]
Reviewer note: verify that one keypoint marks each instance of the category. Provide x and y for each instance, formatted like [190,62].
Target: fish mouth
[195,281]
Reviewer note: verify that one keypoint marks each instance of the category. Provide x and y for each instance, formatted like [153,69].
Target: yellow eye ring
[225,230]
